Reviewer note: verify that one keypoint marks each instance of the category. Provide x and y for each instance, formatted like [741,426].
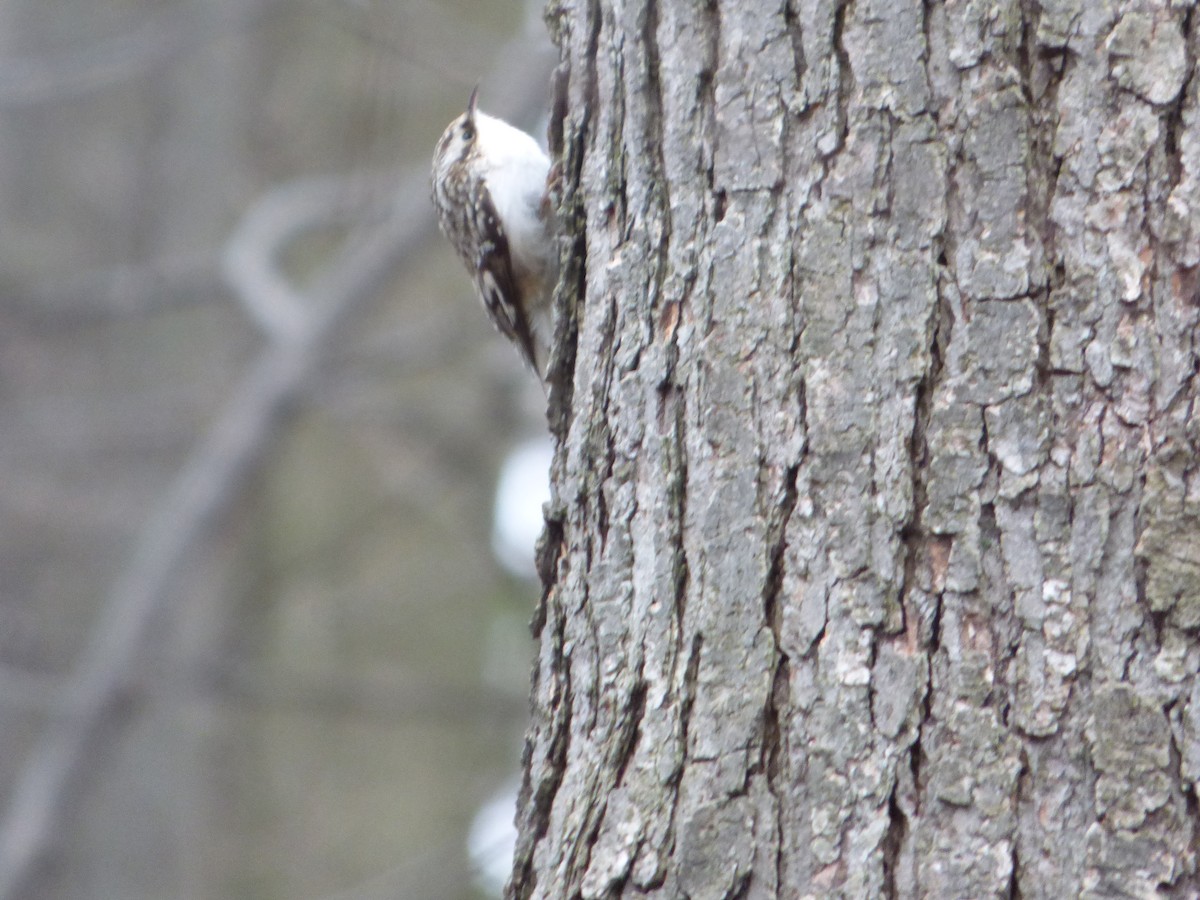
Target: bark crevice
[893,844]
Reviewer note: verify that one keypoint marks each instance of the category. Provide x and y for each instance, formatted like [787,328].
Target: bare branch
[251,259]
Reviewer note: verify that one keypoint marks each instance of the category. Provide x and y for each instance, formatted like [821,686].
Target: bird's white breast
[515,174]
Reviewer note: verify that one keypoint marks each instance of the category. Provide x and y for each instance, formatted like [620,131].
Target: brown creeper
[489,187]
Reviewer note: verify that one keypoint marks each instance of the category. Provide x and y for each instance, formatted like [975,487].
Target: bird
[491,195]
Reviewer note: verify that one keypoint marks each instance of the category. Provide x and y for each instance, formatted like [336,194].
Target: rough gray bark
[874,568]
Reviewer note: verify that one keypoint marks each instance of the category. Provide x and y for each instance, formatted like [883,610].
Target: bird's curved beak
[473,103]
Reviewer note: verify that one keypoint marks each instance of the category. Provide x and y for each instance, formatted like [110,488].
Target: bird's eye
[468,131]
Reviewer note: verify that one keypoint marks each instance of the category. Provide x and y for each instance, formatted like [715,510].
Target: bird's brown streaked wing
[495,281]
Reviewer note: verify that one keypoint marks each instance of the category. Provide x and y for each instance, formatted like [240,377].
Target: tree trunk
[874,568]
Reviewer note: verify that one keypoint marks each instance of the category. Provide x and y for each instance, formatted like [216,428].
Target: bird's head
[458,138]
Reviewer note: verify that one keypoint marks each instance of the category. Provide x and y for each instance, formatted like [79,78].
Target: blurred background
[256,640]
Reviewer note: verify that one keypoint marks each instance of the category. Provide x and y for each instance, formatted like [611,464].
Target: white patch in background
[493,839]
[521,490]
